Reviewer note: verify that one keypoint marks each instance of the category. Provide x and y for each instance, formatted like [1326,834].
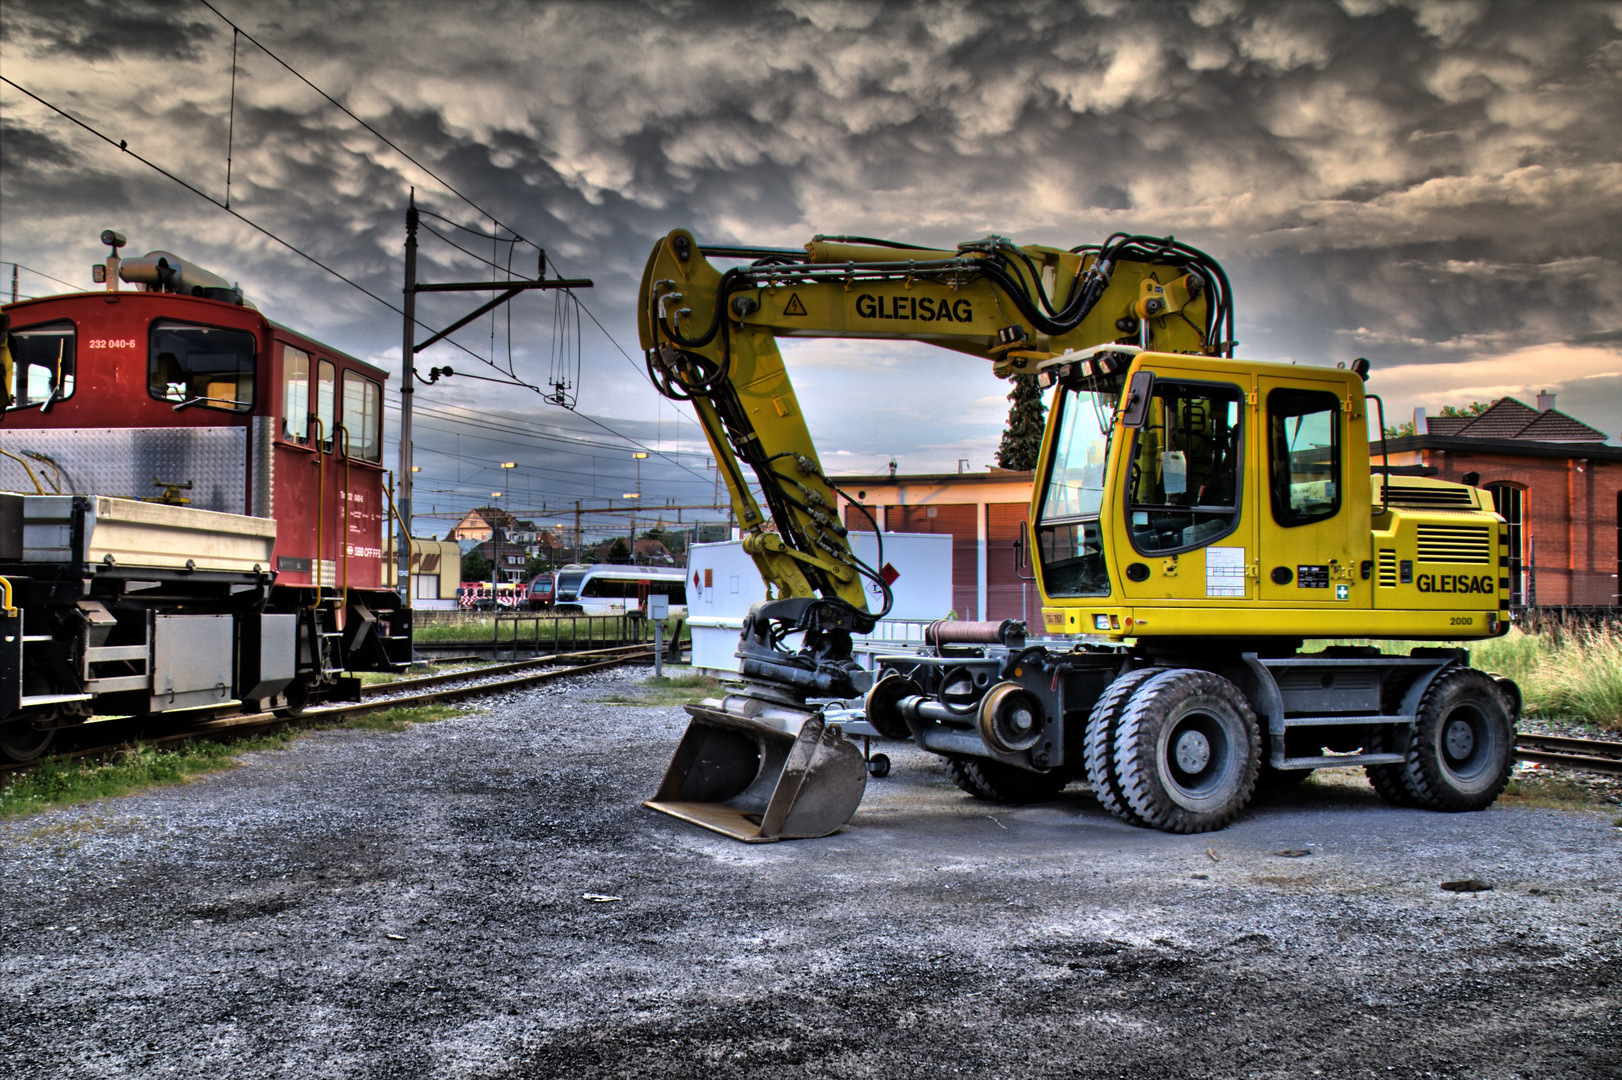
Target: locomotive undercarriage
[140,641]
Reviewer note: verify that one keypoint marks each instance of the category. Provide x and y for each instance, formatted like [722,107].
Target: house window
[1510,502]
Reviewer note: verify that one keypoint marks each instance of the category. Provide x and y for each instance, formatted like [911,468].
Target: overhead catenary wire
[123,146]
[448,186]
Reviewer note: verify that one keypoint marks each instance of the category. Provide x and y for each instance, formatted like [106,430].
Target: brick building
[1553,477]
[1554,480]
[982,512]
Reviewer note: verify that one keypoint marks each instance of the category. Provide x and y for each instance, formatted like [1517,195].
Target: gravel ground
[415,904]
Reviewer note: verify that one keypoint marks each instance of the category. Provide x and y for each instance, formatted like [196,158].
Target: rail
[469,684]
[1585,755]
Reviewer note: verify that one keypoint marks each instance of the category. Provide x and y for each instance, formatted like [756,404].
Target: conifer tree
[1022,436]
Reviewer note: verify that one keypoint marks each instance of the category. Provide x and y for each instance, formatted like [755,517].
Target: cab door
[1305,542]
[1184,531]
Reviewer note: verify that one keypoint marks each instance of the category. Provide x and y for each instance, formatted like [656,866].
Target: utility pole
[410,347]
[408,388]
[577,530]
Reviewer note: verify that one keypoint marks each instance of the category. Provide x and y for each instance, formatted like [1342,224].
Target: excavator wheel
[1100,743]
[1187,750]
[1004,783]
[1390,781]
[1463,745]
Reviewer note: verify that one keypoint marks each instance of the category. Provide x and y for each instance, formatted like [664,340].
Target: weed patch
[1538,791]
[60,782]
[400,719]
[685,688]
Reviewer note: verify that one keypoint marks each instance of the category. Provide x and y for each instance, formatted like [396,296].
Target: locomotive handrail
[340,428]
[405,533]
[39,489]
[320,499]
[10,611]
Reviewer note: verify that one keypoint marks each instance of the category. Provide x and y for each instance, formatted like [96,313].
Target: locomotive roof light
[107,273]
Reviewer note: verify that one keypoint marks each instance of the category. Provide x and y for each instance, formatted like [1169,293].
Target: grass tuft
[684,688]
[63,782]
[400,719]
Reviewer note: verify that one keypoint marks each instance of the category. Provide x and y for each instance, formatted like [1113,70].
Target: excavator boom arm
[709,338]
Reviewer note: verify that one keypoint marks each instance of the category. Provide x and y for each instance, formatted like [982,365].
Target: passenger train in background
[616,589]
[194,507]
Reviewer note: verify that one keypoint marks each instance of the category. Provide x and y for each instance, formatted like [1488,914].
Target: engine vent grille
[1456,544]
[1430,498]
[1387,575]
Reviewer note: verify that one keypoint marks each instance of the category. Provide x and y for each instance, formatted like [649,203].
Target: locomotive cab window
[1184,484]
[43,356]
[363,416]
[1303,434]
[203,366]
[326,383]
[295,395]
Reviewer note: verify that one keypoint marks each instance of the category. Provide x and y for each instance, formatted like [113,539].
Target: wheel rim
[22,741]
[1465,747]
[1197,760]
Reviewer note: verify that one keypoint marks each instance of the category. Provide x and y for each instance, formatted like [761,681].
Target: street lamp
[495,558]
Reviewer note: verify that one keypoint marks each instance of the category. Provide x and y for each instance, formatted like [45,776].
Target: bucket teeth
[757,783]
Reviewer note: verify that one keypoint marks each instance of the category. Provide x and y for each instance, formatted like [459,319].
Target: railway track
[401,694]
[1587,755]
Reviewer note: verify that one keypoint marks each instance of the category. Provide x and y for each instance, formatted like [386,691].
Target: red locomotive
[196,510]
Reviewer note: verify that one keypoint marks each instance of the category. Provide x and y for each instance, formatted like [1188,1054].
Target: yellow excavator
[1195,517]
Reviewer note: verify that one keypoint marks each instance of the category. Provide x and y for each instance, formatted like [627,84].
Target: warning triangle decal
[794,305]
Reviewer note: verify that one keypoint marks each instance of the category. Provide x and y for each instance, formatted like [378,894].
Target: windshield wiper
[189,402]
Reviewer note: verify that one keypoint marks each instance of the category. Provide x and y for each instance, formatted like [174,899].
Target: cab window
[43,356]
[1184,482]
[201,365]
[1303,434]
[295,395]
[326,399]
[1069,540]
[363,415]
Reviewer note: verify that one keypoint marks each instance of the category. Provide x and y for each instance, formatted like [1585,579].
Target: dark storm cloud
[100,32]
[1423,183]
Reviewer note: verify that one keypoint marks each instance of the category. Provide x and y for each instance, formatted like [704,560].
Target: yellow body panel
[1442,578]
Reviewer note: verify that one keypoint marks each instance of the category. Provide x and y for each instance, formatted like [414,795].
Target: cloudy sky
[1434,185]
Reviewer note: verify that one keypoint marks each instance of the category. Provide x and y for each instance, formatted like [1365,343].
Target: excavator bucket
[757,783]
